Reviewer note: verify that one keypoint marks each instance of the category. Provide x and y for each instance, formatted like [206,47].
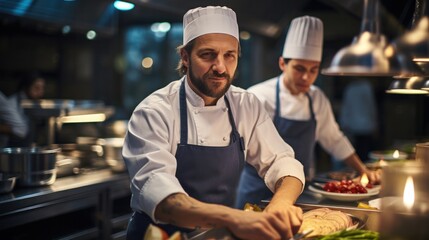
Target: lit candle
[396,154]
[408,198]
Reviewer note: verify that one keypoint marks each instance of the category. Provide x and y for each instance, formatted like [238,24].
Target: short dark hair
[28,80]
[286,60]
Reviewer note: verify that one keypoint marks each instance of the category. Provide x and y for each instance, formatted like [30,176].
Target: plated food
[345,190]
[346,197]
[324,221]
[156,233]
[345,186]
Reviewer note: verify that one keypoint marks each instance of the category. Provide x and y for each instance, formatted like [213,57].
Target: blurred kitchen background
[90,50]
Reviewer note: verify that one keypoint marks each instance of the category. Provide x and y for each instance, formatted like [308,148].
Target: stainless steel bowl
[34,166]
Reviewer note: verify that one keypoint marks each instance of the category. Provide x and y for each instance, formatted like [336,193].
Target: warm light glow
[382,163]
[408,198]
[245,35]
[147,62]
[396,154]
[97,117]
[364,180]
[421,59]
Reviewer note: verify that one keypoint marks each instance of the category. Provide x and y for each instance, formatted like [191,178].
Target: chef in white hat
[300,110]
[187,143]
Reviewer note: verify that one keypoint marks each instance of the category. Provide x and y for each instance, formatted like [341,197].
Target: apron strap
[234,134]
[277,110]
[183,115]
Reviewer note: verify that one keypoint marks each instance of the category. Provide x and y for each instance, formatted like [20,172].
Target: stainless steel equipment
[60,111]
[34,166]
[113,153]
[7,183]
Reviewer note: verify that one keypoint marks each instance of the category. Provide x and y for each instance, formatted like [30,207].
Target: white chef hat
[304,39]
[211,19]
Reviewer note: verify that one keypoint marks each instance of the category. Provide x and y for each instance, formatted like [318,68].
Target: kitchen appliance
[90,156]
[7,183]
[34,166]
[113,153]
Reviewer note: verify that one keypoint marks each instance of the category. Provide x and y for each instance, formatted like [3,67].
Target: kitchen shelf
[54,111]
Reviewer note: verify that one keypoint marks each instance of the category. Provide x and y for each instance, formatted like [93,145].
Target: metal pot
[34,166]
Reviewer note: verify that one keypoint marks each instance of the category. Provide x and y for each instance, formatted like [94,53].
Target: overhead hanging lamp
[367,55]
[412,85]
[415,42]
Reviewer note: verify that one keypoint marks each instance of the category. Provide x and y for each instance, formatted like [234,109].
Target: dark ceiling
[270,17]
[342,18]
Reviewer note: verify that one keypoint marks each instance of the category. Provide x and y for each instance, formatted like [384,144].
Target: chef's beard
[202,84]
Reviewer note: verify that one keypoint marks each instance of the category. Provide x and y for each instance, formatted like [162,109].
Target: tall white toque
[304,39]
[211,19]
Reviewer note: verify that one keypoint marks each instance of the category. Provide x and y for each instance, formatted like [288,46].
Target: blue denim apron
[208,174]
[299,134]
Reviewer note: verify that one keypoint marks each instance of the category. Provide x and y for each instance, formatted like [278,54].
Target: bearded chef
[300,110]
[187,143]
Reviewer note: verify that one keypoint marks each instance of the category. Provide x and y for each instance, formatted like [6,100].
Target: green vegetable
[354,234]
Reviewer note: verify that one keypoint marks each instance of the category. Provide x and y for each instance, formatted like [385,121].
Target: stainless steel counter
[99,199]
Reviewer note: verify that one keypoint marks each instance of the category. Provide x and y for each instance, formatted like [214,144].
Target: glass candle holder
[422,153]
[405,201]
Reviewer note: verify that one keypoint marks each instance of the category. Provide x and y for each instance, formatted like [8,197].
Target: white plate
[346,197]
[387,155]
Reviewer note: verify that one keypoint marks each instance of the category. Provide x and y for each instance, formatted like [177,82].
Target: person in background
[186,144]
[300,111]
[31,87]
[358,115]
[11,123]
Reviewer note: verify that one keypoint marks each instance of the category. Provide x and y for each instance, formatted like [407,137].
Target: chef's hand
[287,208]
[374,177]
[271,224]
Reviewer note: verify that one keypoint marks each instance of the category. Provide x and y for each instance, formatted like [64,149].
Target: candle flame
[364,180]
[408,198]
[396,154]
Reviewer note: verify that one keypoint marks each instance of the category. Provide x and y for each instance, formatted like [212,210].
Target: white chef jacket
[296,107]
[154,132]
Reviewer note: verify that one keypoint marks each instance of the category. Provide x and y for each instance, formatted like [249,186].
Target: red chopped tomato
[344,186]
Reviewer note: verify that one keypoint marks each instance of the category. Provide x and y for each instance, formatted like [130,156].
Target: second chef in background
[187,143]
[300,110]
